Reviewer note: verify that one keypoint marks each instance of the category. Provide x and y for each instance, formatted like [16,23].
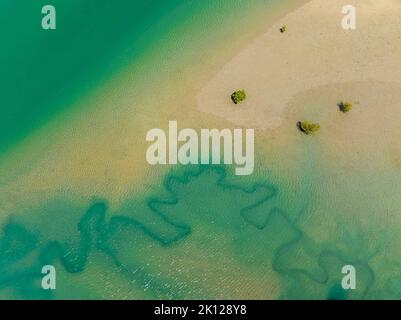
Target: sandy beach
[315,51]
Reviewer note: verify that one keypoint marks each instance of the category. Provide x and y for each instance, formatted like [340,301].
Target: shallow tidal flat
[314,51]
[351,168]
[116,228]
[78,193]
[349,172]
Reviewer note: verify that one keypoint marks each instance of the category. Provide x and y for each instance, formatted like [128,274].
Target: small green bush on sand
[238,96]
[345,106]
[308,127]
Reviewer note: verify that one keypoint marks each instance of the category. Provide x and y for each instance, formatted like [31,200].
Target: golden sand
[315,51]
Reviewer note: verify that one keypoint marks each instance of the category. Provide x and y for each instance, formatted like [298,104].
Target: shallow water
[115,228]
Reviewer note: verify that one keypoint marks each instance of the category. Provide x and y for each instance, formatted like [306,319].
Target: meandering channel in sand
[314,52]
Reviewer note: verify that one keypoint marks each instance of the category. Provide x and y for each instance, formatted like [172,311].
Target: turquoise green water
[199,232]
[237,235]
[46,71]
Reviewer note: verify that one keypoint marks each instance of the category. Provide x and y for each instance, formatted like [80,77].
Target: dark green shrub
[238,96]
[345,106]
[308,127]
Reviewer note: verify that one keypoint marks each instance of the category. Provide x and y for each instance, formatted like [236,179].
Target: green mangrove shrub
[345,106]
[238,96]
[308,127]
